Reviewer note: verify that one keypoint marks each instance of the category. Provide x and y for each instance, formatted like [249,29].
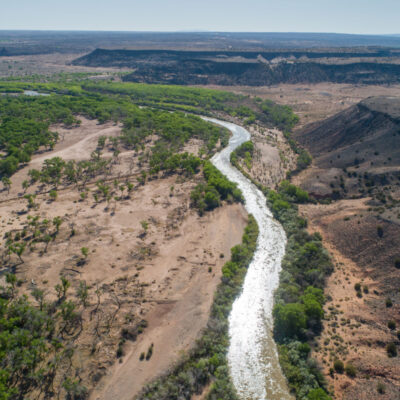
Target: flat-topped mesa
[252,68]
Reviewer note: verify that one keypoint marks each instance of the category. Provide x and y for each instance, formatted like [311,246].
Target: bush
[318,394]
[350,370]
[397,263]
[379,231]
[392,325]
[295,193]
[389,302]
[53,194]
[208,197]
[391,350]
[381,388]
[338,366]
[290,320]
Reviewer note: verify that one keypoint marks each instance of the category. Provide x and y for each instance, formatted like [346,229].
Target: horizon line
[198,31]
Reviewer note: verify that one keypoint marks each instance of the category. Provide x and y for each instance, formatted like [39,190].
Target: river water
[252,355]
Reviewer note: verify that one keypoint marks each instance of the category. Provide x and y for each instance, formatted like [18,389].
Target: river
[252,355]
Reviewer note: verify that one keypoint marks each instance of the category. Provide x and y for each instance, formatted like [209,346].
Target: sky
[341,16]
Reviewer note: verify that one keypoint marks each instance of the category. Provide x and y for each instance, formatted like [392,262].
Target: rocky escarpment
[249,68]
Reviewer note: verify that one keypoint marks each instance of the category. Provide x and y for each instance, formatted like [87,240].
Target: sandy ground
[188,294]
[166,275]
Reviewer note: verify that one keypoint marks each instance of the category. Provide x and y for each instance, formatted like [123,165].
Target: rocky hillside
[355,150]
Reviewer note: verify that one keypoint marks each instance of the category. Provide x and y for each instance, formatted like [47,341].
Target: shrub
[389,302]
[381,388]
[208,197]
[338,366]
[391,325]
[120,349]
[397,263]
[391,350]
[318,394]
[290,320]
[297,194]
[53,194]
[379,231]
[350,370]
[149,352]
[85,252]
[357,287]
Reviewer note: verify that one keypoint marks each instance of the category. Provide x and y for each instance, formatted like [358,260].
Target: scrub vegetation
[299,300]
[36,340]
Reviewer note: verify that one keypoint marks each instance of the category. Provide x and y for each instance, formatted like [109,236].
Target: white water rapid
[252,354]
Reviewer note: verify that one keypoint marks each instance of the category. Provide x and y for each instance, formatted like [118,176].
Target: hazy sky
[345,16]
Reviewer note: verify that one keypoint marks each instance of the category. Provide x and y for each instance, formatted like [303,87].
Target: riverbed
[252,355]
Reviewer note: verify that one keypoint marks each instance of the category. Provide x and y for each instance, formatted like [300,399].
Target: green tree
[6,183]
[318,394]
[85,251]
[25,185]
[57,221]
[290,320]
[8,166]
[18,249]
[82,293]
[53,194]
[38,295]
[62,288]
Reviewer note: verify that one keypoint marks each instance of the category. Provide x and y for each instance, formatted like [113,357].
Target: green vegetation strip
[207,361]
[299,299]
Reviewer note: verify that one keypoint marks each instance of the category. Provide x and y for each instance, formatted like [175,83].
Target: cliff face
[246,68]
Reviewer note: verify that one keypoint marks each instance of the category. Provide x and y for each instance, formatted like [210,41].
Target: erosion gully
[252,354]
